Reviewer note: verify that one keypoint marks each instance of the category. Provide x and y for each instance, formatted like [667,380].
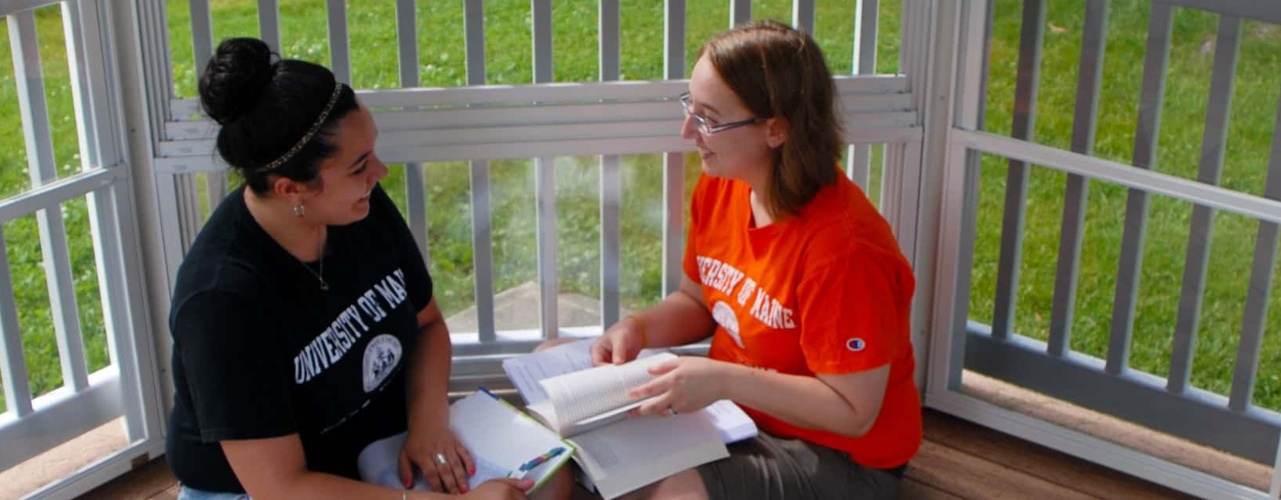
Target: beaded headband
[311,133]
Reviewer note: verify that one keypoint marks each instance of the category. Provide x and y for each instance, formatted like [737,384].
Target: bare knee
[560,486]
[553,343]
[685,485]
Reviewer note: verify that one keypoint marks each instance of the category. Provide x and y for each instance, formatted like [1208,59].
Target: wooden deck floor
[959,460]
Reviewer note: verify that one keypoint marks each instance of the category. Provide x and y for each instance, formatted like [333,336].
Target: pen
[539,460]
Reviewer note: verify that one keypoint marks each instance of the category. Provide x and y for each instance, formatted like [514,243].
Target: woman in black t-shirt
[303,320]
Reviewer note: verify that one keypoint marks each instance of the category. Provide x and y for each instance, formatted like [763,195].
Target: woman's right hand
[500,489]
[620,344]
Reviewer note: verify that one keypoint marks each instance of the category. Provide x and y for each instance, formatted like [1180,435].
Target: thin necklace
[324,286]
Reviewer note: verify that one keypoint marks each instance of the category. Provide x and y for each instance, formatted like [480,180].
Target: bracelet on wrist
[640,325]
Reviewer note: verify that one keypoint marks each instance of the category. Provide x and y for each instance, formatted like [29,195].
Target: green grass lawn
[509,61]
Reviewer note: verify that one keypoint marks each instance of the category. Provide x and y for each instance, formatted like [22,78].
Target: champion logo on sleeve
[855,344]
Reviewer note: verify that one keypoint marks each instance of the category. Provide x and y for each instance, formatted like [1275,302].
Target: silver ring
[440,459]
[671,412]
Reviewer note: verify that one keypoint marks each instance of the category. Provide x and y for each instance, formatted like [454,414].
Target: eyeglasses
[705,125]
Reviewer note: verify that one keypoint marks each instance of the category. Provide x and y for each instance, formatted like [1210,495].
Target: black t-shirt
[261,351]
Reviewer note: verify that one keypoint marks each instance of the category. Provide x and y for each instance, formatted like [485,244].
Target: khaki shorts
[773,468]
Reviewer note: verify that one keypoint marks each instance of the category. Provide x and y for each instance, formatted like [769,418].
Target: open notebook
[588,405]
[499,438]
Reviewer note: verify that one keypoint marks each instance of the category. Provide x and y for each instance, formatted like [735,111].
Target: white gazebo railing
[1053,365]
[80,196]
[542,121]
[147,177]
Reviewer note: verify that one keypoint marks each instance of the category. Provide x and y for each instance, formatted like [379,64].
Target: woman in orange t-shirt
[796,278]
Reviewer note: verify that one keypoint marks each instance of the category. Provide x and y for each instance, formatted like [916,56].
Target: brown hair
[780,72]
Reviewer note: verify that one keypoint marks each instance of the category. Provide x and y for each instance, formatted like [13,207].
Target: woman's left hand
[684,384]
[445,462]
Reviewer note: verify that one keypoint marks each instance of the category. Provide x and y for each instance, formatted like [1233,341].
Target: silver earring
[300,210]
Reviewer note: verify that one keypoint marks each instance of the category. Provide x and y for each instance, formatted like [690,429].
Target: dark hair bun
[235,78]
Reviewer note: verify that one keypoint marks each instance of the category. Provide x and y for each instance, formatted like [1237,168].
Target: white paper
[499,438]
[525,371]
[733,423]
[580,395]
[638,451]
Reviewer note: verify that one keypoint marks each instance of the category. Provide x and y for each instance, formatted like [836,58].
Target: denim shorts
[189,493]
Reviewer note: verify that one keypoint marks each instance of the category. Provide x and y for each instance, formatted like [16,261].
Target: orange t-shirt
[826,291]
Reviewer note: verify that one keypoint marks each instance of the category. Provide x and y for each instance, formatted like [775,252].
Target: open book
[589,405]
[503,442]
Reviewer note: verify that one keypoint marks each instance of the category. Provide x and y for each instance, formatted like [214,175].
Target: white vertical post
[545,181]
[866,18]
[41,167]
[959,188]
[611,184]
[1156,61]
[201,33]
[13,367]
[339,48]
[803,15]
[481,215]
[740,11]
[415,196]
[269,23]
[673,163]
